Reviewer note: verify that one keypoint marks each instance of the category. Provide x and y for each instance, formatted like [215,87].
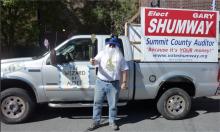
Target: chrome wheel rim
[13,107]
[176,104]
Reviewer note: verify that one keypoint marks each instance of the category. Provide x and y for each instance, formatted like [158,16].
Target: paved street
[136,117]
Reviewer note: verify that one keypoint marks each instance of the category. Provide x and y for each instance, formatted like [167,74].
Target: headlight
[12,67]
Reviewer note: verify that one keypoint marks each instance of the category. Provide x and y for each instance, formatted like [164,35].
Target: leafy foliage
[19,23]
[111,15]
[24,22]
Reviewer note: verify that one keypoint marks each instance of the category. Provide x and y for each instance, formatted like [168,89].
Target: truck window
[80,49]
[120,47]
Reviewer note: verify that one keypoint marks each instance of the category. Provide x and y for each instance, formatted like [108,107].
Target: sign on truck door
[174,35]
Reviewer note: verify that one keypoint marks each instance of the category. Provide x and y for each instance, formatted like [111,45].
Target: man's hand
[124,86]
[92,61]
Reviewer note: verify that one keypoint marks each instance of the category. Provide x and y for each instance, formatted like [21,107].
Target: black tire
[16,105]
[174,104]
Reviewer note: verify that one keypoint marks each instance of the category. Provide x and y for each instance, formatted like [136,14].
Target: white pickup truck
[26,82]
[179,62]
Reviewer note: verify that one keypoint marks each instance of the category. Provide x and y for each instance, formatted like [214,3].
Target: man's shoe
[114,126]
[94,126]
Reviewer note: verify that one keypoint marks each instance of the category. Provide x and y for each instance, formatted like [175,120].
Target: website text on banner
[174,35]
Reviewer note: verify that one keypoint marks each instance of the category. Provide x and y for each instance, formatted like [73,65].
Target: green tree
[107,16]
[19,24]
[121,12]
[24,22]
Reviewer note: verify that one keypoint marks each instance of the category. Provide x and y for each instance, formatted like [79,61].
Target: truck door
[73,78]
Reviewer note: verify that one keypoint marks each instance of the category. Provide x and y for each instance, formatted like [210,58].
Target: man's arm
[124,80]
[96,59]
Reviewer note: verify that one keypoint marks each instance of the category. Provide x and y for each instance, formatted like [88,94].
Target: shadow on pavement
[206,104]
[132,113]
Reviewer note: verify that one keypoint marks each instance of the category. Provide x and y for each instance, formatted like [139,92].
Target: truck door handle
[51,83]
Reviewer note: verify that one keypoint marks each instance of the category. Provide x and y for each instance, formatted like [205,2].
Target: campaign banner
[179,35]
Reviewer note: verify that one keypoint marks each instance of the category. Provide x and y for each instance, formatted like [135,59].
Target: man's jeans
[111,90]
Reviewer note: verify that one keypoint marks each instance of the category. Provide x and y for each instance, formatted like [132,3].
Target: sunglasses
[112,45]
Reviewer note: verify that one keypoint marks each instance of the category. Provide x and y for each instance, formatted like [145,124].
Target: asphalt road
[136,117]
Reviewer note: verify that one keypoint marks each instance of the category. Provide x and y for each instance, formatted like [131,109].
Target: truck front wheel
[16,105]
[174,104]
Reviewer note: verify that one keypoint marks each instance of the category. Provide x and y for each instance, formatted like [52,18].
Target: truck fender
[183,81]
[21,81]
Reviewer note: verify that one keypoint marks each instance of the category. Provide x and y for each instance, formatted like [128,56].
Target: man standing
[111,65]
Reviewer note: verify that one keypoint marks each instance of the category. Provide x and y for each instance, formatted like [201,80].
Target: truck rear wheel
[16,105]
[174,104]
